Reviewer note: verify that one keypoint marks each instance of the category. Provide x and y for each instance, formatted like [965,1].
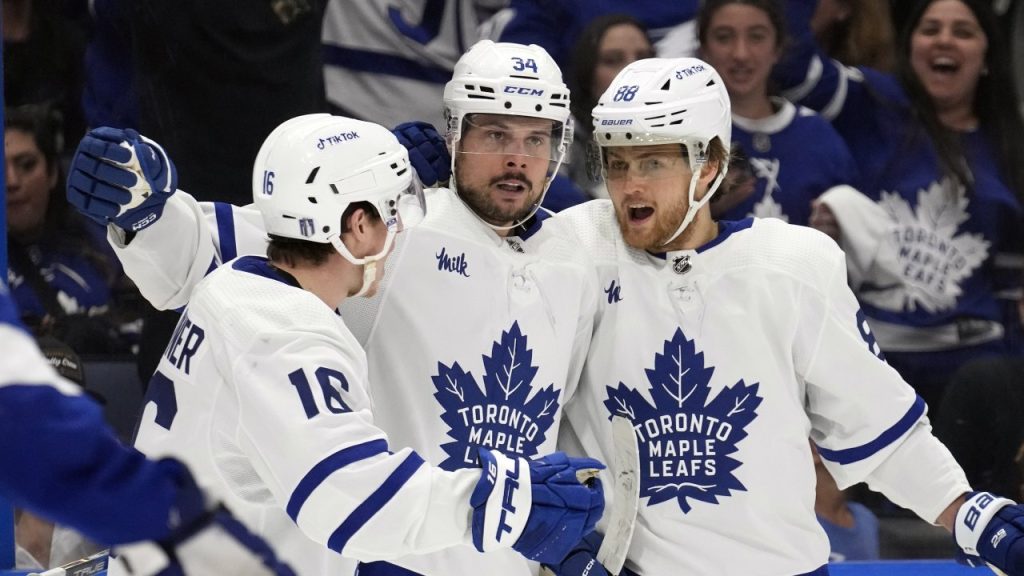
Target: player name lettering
[683,423]
[184,344]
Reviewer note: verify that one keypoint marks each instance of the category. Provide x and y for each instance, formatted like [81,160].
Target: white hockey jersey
[262,391]
[727,359]
[472,339]
[387,61]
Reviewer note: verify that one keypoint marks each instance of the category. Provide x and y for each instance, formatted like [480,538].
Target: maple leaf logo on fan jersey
[686,441]
[501,416]
[933,256]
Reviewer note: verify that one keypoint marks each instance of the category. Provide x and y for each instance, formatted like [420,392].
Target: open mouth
[944,65]
[513,186]
[639,213]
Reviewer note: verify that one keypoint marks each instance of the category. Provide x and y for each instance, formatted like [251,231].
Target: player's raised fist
[540,508]
[122,177]
[428,152]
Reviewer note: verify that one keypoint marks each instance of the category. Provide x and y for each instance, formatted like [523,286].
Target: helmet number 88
[625,93]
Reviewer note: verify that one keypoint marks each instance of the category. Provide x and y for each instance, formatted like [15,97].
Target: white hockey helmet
[311,168]
[668,101]
[509,79]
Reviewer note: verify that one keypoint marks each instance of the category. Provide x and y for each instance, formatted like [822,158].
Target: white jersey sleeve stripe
[377,500]
[318,473]
[225,230]
[894,433]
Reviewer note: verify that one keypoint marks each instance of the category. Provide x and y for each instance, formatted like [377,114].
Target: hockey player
[59,459]
[480,327]
[728,344]
[264,391]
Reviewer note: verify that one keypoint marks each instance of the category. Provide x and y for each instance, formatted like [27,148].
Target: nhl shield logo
[306,227]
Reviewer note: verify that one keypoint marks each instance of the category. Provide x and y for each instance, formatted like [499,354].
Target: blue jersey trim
[261,267]
[533,225]
[380,497]
[225,230]
[726,228]
[377,63]
[851,455]
[318,473]
[383,569]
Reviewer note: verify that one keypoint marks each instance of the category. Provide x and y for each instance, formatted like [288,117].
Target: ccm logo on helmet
[337,139]
[522,90]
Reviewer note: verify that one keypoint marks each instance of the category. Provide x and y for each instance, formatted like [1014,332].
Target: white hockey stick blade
[85,567]
[997,571]
[626,469]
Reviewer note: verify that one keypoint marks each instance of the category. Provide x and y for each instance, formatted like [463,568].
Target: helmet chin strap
[369,263]
[693,207]
[369,274]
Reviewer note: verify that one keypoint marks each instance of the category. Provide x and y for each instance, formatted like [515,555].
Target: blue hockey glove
[428,152]
[122,177]
[989,528]
[582,559]
[541,508]
[205,539]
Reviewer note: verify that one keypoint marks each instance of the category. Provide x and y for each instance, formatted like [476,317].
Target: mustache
[518,177]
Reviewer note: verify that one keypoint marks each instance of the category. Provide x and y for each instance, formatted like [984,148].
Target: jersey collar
[726,228]
[262,267]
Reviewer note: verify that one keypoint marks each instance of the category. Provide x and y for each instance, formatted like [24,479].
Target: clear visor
[509,135]
[406,209]
[620,164]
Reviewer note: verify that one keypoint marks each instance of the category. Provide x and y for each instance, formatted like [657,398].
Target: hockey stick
[626,464]
[87,566]
[997,571]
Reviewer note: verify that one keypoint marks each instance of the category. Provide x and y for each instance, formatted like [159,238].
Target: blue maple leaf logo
[686,442]
[501,416]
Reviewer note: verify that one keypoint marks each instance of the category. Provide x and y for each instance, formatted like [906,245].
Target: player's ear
[362,227]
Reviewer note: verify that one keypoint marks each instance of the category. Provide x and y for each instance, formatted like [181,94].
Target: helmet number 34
[519,64]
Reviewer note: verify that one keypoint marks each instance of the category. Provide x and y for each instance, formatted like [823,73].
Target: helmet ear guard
[667,101]
[311,168]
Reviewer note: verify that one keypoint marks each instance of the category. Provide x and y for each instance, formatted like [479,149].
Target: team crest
[934,256]
[686,439]
[508,414]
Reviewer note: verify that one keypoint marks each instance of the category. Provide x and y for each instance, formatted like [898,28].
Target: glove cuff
[140,218]
[973,517]
[501,501]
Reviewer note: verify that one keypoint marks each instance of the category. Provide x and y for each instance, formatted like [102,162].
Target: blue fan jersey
[794,155]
